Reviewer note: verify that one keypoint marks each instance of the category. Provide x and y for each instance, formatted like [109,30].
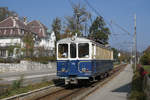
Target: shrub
[17,83]
[145,59]
[137,87]
[4,89]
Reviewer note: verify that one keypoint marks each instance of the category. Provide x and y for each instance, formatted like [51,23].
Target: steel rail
[71,93]
[31,92]
[79,94]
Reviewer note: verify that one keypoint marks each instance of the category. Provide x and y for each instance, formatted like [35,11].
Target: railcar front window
[63,50]
[73,50]
[83,50]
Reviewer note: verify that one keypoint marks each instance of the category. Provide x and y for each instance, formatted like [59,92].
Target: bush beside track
[137,92]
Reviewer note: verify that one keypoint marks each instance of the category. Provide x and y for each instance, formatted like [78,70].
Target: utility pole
[131,56]
[135,42]
[85,29]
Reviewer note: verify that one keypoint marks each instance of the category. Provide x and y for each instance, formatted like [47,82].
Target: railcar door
[73,63]
[62,59]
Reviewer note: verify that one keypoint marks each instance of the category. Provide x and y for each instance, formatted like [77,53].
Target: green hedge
[43,60]
[8,60]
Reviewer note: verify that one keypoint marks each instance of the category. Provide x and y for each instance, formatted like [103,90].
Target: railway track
[79,92]
[62,92]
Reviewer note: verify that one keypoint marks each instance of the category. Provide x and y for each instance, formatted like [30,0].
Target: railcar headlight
[83,69]
[63,69]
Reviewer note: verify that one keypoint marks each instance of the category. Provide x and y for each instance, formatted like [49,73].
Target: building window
[3,53]
[22,32]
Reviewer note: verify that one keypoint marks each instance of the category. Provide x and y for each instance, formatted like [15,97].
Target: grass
[116,64]
[147,68]
[11,91]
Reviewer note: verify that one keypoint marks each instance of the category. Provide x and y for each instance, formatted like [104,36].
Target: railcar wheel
[102,76]
[98,77]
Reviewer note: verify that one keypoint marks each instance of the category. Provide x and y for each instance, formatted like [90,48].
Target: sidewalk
[28,76]
[25,73]
[116,89]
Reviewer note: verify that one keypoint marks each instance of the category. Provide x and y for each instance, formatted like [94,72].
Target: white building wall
[48,43]
[9,41]
[4,42]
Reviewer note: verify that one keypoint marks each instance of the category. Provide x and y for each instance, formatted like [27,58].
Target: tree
[29,44]
[115,53]
[56,27]
[5,13]
[145,59]
[75,23]
[99,31]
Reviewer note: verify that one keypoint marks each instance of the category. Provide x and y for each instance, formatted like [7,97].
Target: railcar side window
[73,50]
[63,50]
[83,50]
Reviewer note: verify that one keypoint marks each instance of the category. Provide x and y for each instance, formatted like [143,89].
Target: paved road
[30,77]
[116,89]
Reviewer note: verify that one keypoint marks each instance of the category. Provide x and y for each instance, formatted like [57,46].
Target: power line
[120,27]
[110,24]
[92,8]
[71,3]
[86,1]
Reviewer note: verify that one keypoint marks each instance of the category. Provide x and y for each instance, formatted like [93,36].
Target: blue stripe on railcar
[78,68]
[101,66]
[82,68]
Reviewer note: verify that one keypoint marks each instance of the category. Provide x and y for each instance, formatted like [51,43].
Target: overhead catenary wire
[86,1]
[109,23]
[72,4]
[120,27]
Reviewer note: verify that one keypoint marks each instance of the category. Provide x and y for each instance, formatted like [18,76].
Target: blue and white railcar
[82,59]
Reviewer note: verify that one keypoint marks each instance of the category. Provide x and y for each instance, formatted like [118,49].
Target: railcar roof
[79,40]
[74,39]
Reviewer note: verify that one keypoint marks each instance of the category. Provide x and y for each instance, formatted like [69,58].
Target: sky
[116,11]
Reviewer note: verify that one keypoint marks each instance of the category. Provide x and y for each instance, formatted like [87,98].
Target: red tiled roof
[38,28]
[7,22]
[11,27]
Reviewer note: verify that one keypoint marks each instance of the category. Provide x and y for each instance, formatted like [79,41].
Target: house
[47,39]
[12,32]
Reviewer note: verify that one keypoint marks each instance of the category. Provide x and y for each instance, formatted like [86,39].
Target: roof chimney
[25,20]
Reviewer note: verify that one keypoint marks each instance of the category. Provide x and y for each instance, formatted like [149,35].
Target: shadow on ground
[125,88]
